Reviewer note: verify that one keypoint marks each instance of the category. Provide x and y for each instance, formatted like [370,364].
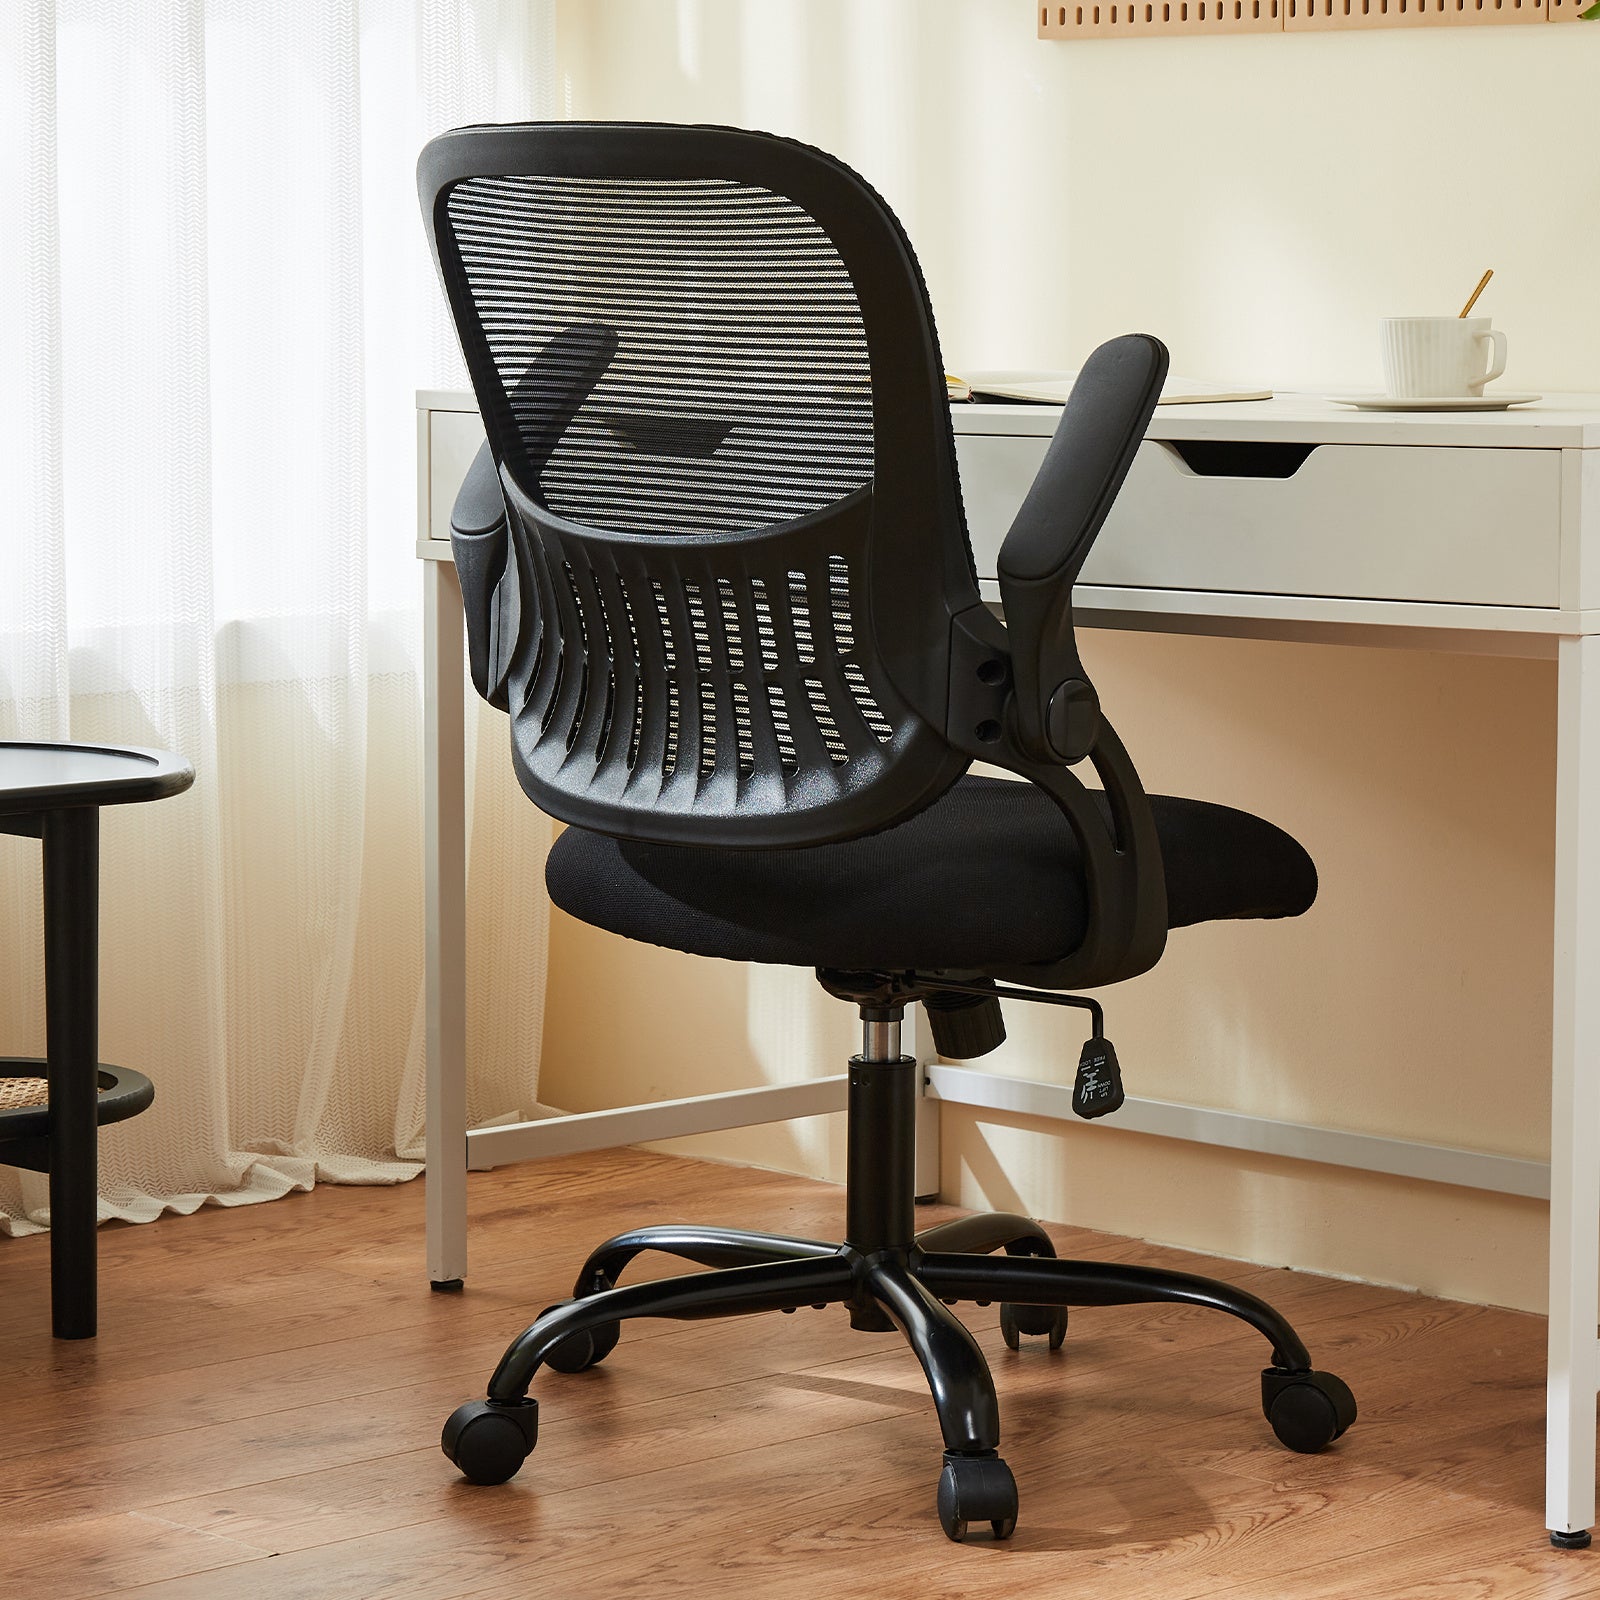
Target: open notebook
[1052,388]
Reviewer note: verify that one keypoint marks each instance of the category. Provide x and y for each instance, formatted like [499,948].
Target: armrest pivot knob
[1072,721]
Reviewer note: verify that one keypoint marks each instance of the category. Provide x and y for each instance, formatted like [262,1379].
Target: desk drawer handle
[1238,458]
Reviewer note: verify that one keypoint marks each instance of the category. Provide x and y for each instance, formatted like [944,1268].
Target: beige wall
[1258,202]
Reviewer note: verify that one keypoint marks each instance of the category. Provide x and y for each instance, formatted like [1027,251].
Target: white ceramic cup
[1434,357]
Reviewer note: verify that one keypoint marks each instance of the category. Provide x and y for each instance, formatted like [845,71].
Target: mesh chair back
[709,379]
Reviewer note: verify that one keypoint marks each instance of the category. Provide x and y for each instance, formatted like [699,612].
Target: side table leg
[71,841]
[445,993]
[1575,1105]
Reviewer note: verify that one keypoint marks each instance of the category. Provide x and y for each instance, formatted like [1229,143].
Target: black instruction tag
[1098,1089]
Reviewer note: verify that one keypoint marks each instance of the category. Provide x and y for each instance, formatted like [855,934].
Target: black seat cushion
[987,877]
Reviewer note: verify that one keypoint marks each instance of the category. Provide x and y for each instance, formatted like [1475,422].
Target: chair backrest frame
[822,640]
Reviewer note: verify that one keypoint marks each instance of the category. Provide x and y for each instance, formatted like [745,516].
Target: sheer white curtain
[215,306]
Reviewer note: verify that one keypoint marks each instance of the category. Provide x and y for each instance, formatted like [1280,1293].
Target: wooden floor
[260,1414]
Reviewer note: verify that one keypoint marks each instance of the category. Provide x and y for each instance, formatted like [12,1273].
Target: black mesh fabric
[737,394]
[988,878]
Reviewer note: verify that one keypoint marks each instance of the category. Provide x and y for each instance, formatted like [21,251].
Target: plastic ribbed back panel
[683,413]
[686,677]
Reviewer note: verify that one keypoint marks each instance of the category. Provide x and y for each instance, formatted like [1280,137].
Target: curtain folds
[215,307]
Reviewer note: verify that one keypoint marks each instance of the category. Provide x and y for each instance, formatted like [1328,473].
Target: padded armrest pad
[481,543]
[1094,445]
[480,507]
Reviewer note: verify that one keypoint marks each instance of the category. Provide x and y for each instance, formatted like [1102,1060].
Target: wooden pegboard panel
[1117,19]
[1121,19]
[1298,14]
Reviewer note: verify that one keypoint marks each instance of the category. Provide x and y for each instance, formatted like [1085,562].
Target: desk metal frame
[1569,632]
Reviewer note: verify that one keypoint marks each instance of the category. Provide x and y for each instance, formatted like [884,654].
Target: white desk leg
[445,994]
[1575,1103]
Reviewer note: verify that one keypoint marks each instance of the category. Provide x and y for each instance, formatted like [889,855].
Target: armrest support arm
[1125,886]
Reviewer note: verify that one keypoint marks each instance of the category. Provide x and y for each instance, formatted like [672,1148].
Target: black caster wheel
[976,1489]
[1018,1320]
[488,1442]
[1307,1410]
[1570,1541]
[580,1351]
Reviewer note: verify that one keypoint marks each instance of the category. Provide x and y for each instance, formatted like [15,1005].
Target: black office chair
[715,567]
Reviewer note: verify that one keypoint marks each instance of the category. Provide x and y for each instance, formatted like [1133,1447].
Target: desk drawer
[1373,522]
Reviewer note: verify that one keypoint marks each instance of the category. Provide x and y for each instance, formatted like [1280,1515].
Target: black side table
[53,793]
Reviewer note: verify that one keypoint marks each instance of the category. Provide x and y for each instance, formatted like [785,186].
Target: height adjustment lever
[1097,1090]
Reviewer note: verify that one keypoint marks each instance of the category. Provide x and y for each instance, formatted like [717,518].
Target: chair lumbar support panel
[716,573]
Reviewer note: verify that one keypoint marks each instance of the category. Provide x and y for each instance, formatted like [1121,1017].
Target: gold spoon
[1483,283]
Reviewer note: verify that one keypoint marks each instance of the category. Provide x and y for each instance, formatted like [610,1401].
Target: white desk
[1467,532]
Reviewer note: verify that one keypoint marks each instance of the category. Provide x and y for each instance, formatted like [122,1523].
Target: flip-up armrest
[532,421]
[1051,715]
[1057,713]
[480,542]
